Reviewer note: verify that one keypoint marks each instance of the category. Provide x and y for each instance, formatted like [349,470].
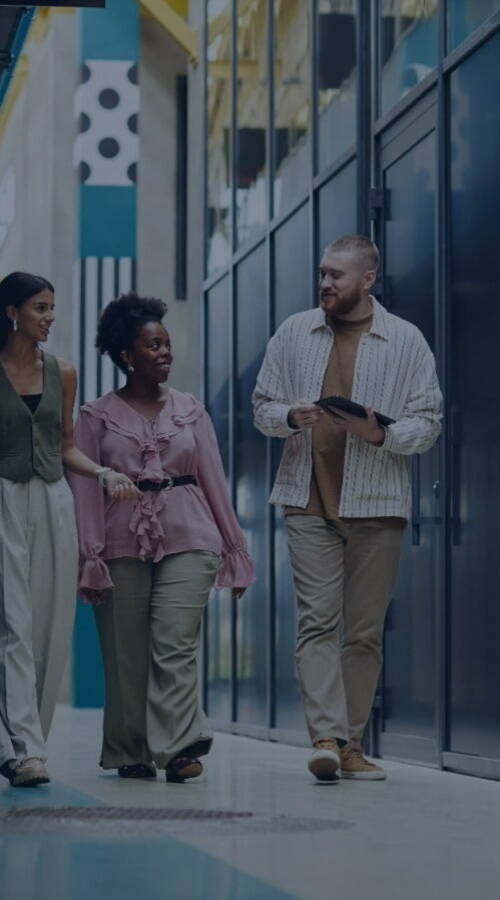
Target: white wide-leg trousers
[38,574]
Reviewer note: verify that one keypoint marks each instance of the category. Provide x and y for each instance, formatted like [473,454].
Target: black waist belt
[166,484]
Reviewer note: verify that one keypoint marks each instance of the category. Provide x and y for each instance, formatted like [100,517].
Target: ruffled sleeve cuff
[235,570]
[94,574]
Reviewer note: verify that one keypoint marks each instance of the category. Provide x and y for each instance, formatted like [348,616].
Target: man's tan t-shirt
[328,440]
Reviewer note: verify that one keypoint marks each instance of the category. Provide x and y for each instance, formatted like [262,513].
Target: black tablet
[355,409]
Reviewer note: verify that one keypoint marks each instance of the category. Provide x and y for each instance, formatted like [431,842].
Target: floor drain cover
[130,821]
[93,813]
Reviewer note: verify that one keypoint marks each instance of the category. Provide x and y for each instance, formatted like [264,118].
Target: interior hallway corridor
[89,835]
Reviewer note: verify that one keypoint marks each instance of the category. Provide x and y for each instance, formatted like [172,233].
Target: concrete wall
[160,63]
[36,156]
[37,147]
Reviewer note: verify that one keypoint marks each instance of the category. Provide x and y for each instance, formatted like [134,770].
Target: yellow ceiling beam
[222,22]
[181,7]
[247,68]
[166,14]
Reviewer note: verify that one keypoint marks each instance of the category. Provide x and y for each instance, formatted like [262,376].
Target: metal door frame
[391,139]
[391,144]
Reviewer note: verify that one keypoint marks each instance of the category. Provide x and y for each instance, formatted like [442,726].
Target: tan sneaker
[29,773]
[355,765]
[325,760]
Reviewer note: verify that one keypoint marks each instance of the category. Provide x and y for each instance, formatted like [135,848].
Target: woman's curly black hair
[121,321]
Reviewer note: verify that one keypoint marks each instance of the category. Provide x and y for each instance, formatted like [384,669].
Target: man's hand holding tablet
[356,419]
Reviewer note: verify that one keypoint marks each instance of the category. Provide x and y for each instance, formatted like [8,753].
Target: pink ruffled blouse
[180,440]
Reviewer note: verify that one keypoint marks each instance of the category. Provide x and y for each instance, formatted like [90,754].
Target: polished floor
[255,827]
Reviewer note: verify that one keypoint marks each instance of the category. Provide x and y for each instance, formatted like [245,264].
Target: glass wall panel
[292,267]
[218,134]
[336,72]
[466,15]
[292,99]
[409,288]
[408,46]
[337,207]
[217,375]
[289,712]
[251,162]
[217,394]
[252,489]
[292,286]
[475,473]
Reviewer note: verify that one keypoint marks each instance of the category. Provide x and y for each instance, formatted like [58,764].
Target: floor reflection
[55,867]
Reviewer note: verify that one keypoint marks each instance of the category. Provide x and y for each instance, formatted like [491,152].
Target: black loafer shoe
[139,770]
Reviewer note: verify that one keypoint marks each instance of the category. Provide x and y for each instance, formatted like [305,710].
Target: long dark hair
[16,289]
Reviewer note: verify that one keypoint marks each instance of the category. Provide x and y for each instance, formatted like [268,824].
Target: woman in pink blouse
[148,565]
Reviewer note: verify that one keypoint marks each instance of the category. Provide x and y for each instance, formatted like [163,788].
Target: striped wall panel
[97,281]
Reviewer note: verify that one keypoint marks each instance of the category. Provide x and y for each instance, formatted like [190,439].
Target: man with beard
[345,488]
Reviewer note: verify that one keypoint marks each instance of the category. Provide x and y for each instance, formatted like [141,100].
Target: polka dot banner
[107,113]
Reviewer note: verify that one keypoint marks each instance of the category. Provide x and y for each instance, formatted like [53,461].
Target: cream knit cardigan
[394,373]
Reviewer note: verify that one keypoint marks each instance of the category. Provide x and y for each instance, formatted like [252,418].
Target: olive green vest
[30,443]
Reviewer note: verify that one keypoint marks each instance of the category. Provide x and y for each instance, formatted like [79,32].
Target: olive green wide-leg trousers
[149,631]
[38,577]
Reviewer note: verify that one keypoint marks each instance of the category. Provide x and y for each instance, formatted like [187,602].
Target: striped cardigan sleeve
[420,424]
[269,396]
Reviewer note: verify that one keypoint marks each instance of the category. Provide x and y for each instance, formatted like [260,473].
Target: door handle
[415,498]
[456,525]
[417,520]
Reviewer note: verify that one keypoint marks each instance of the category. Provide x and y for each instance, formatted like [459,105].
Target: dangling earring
[130,369]
[14,325]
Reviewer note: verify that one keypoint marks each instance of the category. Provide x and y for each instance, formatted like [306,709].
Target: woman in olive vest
[38,542]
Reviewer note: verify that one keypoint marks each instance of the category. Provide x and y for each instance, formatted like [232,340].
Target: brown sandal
[182,767]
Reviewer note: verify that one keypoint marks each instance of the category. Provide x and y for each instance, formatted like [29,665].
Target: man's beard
[342,306]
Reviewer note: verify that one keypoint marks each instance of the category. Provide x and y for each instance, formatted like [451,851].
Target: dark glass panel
[252,490]
[409,287]
[336,73]
[251,161]
[219,608]
[464,16]
[292,281]
[475,473]
[292,267]
[218,131]
[292,101]
[337,207]
[408,47]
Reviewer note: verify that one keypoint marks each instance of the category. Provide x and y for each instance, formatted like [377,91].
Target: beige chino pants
[343,575]
[149,631]
[38,576]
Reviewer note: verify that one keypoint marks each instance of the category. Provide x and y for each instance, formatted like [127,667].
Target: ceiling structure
[15,21]
[14,24]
